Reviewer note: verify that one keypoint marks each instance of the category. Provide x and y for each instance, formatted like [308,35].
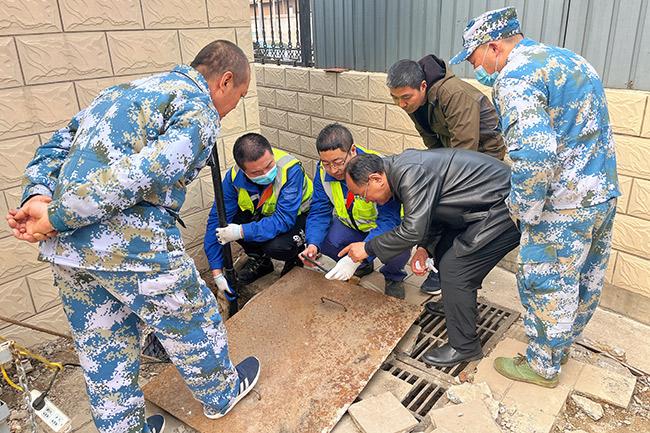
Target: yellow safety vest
[284,161]
[363,212]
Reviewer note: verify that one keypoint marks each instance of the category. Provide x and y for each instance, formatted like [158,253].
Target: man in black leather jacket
[454,211]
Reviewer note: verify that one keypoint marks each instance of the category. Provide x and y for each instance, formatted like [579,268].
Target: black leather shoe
[447,356]
[366,268]
[435,308]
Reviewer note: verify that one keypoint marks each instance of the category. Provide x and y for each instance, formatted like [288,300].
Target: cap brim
[460,57]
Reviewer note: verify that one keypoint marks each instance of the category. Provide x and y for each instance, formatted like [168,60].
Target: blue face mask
[481,74]
[266,178]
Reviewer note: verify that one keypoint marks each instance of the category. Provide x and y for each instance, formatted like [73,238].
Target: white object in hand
[222,284]
[431,266]
[230,233]
[344,269]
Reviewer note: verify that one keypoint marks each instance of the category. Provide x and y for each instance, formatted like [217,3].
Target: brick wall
[55,56]
[296,103]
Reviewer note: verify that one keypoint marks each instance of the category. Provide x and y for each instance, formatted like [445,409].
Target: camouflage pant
[562,265]
[106,311]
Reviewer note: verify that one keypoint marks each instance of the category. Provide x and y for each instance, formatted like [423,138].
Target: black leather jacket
[445,189]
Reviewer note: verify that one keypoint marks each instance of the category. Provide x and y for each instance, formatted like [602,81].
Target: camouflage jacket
[554,117]
[118,173]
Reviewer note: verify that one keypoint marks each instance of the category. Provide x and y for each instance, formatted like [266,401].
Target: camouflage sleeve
[531,143]
[42,172]
[130,179]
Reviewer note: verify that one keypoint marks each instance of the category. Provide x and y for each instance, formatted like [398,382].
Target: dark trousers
[340,236]
[285,246]
[461,277]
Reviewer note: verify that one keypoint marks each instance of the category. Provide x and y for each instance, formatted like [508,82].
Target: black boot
[290,264]
[394,289]
[255,267]
[447,356]
[366,268]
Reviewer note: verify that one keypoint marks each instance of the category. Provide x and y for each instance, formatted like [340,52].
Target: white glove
[222,285]
[344,269]
[232,232]
[429,265]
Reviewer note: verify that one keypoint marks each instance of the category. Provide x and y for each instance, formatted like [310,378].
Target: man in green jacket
[447,112]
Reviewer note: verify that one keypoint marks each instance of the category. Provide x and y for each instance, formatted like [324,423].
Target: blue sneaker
[248,371]
[431,286]
[156,423]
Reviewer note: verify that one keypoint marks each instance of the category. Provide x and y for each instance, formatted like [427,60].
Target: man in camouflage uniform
[105,193]
[554,117]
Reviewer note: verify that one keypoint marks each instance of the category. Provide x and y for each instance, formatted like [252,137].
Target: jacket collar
[521,45]
[193,75]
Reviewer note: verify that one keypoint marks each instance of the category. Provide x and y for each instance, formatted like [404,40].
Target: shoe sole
[434,293]
[238,398]
[521,379]
[451,364]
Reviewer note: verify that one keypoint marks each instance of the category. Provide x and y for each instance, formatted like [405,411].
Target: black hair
[362,166]
[221,56]
[405,73]
[250,147]
[334,136]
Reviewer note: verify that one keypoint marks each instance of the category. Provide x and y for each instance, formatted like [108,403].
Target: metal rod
[323,299]
[257,33]
[262,21]
[289,23]
[279,3]
[315,263]
[295,16]
[305,33]
[34,327]
[271,21]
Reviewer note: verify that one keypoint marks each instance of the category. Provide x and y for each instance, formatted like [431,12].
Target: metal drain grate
[430,383]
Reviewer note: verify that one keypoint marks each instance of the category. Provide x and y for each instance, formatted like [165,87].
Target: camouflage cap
[487,27]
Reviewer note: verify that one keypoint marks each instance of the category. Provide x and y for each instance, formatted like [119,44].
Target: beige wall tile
[609,274]
[377,90]
[385,142]
[310,104]
[10,74]
[4,228]
[228,143]
[639,202]
[235,121]
[352,84]
[317,125]
[308,164]
[35,109]
[398,120]
[322,82]
[289,142]
[259,73]
[286,100]
[276,118]
[144,51]
[625,185]
[165,14]
[67,56]
[633,273]
[44,293]
[53,319]
[359,133]
[29,16]
[251,108]
[13,196]
[274,76]
[207,189]
[337,108]
[632,235]
[626,109]
[308,147]
[297,78]
[266,96]
[79,15]
[299,123]
[87,90]
[193,199]
[252,85]
[632,156]
[22,260]
[194,232]
[200,259]
[369,113]
[228,13]
[193,40]
[262,112]
[16,301]
[271,134]
[645,130]
[245,42]
[413,142]
[14,156]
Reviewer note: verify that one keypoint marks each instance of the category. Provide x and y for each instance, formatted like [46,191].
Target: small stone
[618,352]
[591,408]
[18,415]
[382,413]
[627,422]
[502,409]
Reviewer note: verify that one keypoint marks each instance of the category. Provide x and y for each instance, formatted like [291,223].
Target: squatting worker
[564,183]
[447,112]
[455,212]
[106,192]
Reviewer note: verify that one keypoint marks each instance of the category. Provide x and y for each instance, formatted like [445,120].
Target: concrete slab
[319,342]
[535,399]
[485,371]
[525,422]
[382,414]
[407,343]
[470,417]
[346,425]
[381,382]
[606,385]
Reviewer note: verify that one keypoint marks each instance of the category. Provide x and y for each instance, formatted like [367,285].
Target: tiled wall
[296,103]
[55,56]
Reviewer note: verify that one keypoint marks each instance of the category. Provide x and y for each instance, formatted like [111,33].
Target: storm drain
[430,383]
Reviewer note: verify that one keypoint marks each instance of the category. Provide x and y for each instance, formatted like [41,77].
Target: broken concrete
[382,414]
[591,408]
[382,382]
[470,417]
[467,392]
[346,425]
[407,344]
[606,385]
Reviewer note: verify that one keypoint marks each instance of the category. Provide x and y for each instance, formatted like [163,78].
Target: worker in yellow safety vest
[267,197]
[337,218]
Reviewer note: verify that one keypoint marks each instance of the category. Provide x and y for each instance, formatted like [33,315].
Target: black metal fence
[282,31]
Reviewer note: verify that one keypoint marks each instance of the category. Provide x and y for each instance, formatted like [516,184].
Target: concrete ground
[607,330]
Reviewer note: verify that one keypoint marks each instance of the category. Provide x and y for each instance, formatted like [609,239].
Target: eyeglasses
[365,193]
[337,163]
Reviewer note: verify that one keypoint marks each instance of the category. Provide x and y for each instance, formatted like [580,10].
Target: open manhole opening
[429,384]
